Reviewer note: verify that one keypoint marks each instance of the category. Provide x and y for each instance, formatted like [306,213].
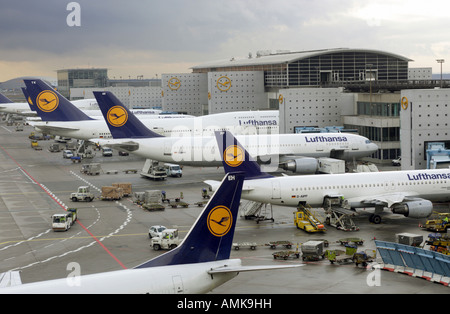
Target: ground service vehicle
[67,154]
[83,194]
[439,224]
[305,220]
[155,231]
[173,170]
[107,152]
[167,240]
[153,170]
[63,222]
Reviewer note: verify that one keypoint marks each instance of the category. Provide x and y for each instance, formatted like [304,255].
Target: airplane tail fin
[4,99]
[51,105]
[121,122]
[211,236]
[236,158]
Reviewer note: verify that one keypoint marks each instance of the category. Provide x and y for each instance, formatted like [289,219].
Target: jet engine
[306,165]
[419,208]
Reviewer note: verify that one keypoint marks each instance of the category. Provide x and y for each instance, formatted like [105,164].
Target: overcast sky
[146,37]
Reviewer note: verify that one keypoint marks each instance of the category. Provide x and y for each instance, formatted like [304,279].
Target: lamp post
[440,61]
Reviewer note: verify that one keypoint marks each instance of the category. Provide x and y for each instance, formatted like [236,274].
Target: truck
[305,220]
[63,222]
[331,165]
[83,194]
[35,145]
[173,170]
[168,240]
[153,170]
[91,169]
[438,224]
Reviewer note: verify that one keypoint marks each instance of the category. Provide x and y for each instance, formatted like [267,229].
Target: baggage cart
[286,254]
[251,245]
[357,241]
[340,256]
[274,244]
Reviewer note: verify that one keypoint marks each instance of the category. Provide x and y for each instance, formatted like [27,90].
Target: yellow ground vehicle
[35,145]
[305,220]
[440,224]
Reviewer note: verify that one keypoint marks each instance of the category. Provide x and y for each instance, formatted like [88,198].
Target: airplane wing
[53,128]
[387,199]
[10,279]
[227,269]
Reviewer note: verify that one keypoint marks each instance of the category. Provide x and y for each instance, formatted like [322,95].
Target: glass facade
[352,66]
[81,78]
[319,68]
[378,109]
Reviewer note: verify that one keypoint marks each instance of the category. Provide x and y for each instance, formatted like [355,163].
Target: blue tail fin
[51,105]
[29,101]
[236,158]
[4,99]
[121,122]
[211,236]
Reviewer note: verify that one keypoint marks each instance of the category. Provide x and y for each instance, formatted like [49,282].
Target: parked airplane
[52,106]
[409,193]
[23,108]
[68,125]
[130,134]
[201,262]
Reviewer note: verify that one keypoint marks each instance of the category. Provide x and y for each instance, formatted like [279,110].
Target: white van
[173,170]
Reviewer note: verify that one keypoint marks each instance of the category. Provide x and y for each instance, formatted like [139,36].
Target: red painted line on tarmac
[98,241]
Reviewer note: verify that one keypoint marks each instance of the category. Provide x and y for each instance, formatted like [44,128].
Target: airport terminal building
[330,87]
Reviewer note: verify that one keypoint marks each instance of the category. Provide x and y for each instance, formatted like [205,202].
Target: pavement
[112,235]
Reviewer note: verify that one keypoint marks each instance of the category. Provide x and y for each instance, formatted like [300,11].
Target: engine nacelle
[305,165]
[414,209]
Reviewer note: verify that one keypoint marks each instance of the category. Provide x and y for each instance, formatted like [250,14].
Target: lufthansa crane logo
[404,103]
[219,221]
[47,101]
[223,83]
[174,83]
[233,156]
[117,116]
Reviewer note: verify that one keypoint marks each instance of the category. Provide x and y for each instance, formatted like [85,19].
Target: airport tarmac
[114,235]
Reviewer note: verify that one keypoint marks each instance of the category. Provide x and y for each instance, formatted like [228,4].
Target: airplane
[199,264]
[68,125]
[272,149]
[64,110]
[409,193]
[23,108]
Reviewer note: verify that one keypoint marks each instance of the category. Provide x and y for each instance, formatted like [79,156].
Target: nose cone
[372,147]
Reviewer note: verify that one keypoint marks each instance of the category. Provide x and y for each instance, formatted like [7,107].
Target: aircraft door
[276,190]
[167,148]
[178,284]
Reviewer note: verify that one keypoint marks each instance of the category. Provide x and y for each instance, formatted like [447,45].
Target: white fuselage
[357,188]
[184,278]
[204,151]
[248,122]
[24,107]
